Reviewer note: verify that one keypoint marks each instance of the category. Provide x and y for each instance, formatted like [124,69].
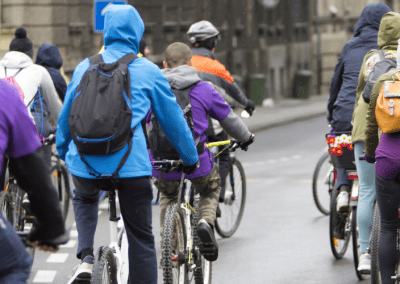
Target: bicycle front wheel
[203,270]
[60,180]
[339,236]
[323,183]
[373,243]
[105,267]
[173,247]
[235,199]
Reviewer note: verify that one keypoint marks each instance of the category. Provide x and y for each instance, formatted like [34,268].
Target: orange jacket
[213,66]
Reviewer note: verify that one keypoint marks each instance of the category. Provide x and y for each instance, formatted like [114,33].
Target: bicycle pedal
[79,280]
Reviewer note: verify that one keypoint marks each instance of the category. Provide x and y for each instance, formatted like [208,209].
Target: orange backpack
[387,110]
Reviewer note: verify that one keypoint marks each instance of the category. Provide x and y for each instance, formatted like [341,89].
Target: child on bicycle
[204,101]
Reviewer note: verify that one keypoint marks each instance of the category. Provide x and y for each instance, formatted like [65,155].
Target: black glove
[250,107]
[190,169]
[329,117]
[246,144]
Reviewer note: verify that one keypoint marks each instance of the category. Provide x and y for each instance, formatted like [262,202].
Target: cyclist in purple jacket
[204,101]
[19,141]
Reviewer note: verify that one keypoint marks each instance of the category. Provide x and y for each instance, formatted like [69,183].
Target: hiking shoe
[82,272]
[208,243]
[342,202]
[364,264]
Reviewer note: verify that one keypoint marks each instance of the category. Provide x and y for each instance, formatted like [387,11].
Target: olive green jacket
[388,35]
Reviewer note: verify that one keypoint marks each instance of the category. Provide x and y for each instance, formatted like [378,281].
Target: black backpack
[381,67]
[100,117]
[160,146]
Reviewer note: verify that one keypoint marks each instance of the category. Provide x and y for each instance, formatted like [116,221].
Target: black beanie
[21,43]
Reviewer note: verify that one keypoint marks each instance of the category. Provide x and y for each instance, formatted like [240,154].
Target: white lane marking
[70,244]
[100,212]
[74,225]
[57,257]
[284,159]
[73,234]
[45,276]
[272,161]
[296,157]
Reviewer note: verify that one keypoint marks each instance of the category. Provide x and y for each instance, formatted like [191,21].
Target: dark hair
[208,43]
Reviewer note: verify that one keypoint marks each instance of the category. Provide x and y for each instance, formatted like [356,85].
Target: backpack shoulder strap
[381,54]
[128,58]
[96,59]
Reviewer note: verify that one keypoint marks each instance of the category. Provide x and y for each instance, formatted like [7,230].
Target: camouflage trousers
[209,187]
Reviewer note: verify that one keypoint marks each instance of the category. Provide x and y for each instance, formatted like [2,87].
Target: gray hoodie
[30,78]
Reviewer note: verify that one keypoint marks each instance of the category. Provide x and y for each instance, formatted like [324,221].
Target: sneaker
[342,202]
[364,264]
[208,243]
[218,213]
[82,272]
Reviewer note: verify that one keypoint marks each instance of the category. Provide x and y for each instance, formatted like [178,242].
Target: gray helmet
[201,31]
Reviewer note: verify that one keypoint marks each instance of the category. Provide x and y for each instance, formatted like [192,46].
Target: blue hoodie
[123,29]
[342,92]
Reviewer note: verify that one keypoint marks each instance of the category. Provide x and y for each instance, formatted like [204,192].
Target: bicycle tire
[6,207]
[203,272]
[355,242]
[173,272]
[338,237]
[235,186]
[60,180]
[318,188]
[374,241]
[105,267]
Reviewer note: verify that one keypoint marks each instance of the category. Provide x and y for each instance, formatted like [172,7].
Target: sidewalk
[287,111]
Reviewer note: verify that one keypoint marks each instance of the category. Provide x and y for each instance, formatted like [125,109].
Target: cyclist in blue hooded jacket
[123,29]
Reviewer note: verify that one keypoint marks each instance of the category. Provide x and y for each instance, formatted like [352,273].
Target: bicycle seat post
[111,202]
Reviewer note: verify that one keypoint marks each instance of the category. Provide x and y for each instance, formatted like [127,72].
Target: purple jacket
[205,101]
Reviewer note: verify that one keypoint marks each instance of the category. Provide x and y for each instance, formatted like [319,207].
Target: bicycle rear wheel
[173,247]
[339,236]
[105,267]
[323,183]
[373,243]
[356,242]
[235,199]
[6,207]
[60,180]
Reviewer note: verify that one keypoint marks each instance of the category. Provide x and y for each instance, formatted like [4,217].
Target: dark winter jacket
[342,93]
[49,57]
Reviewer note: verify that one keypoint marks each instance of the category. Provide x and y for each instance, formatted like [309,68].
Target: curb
[257,128]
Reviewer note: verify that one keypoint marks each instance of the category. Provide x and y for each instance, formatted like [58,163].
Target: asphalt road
[283,238]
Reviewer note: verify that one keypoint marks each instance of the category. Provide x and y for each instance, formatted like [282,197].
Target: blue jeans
[15,261]
[365,207]
[388,197]
[135,196]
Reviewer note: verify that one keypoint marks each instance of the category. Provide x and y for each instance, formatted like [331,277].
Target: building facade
[270,39]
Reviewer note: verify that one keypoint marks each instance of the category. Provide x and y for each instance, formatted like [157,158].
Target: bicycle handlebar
[168,166]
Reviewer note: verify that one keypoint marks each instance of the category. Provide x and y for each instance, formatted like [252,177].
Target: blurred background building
[266,44]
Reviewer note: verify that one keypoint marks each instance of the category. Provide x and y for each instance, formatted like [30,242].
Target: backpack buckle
[391,106]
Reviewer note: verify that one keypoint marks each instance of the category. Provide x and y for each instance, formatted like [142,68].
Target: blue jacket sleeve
[336,83]
[63,136]
[170,117]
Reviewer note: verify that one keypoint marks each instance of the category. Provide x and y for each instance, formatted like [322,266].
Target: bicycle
[181,259]
[343,225]
[232,208]
[111,264]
